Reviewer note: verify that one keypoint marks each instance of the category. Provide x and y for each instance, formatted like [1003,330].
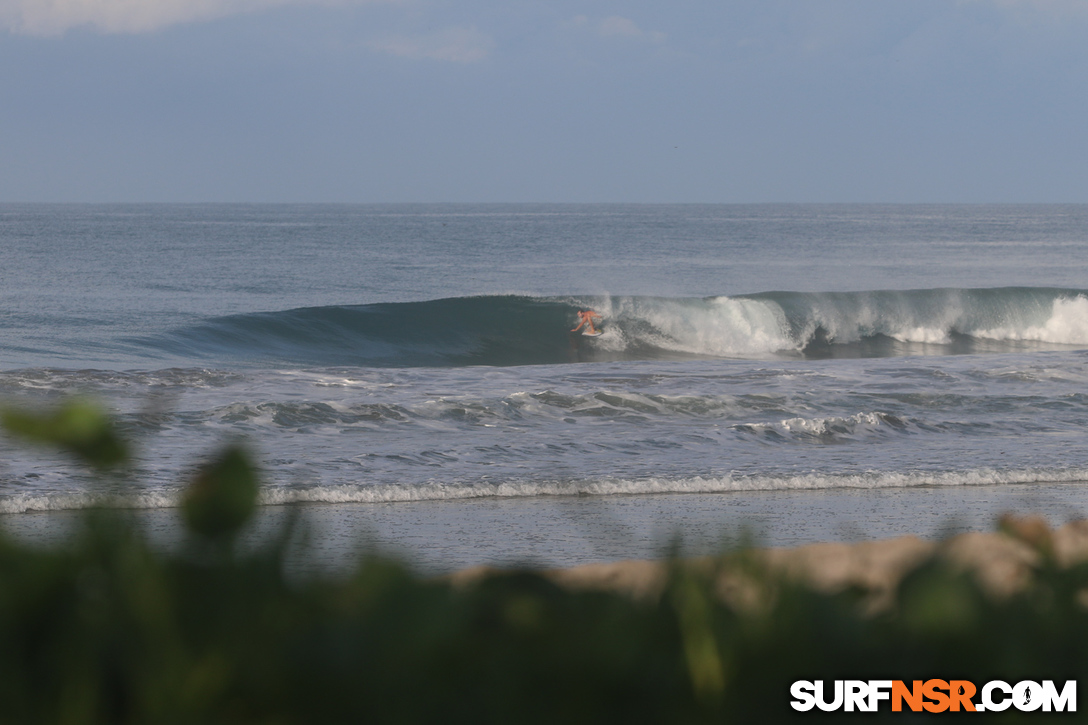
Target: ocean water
[382,356]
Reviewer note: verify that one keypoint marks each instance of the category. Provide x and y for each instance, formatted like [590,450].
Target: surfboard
[598,333]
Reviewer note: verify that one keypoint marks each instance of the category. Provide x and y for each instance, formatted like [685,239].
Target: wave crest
[514,330]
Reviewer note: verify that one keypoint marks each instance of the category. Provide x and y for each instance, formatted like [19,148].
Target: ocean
[405,373]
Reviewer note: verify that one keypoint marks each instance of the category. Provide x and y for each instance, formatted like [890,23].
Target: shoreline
[564,532]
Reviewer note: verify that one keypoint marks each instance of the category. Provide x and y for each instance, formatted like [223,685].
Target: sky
[728,101]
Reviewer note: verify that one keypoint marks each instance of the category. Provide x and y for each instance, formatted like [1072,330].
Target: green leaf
[78,427]
[223,495]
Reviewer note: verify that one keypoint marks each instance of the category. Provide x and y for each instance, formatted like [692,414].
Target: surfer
[586,319]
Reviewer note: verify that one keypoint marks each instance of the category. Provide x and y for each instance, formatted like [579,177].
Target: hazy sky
[550,100]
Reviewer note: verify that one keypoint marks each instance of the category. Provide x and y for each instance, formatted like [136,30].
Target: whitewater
[393,360]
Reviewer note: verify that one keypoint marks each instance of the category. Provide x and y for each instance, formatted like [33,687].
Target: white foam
[849,318]
[26,503]
[1067,325]
[347,493]
[741,327]
[721,327]
[827,427]
[926,335]
[698,484]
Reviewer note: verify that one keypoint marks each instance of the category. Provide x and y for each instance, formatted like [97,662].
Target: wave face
[517,330]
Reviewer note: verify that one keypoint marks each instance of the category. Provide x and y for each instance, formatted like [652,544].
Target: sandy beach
[1002,561]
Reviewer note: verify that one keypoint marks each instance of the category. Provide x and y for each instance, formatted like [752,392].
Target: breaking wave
[393,493]
[519,330]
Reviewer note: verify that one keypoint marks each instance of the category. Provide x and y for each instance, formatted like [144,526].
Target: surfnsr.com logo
[933,696]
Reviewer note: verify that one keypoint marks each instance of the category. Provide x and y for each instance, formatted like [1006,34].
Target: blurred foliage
[222,497]
[106,629]
[78,427]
